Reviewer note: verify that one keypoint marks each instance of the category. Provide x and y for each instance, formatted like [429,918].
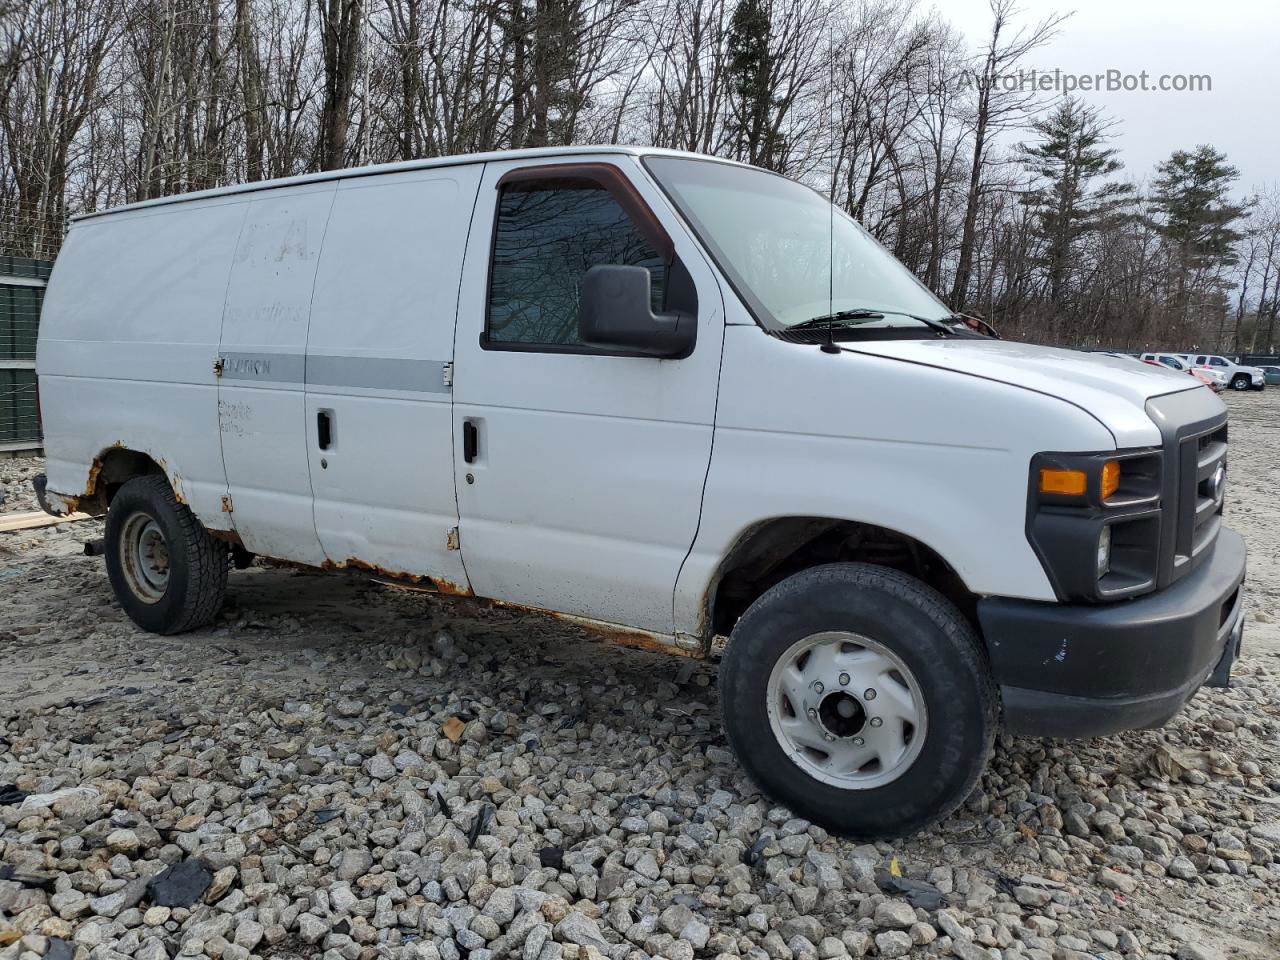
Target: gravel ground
[362,771]
[16,493]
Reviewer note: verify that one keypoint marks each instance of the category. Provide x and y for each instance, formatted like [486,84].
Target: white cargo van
[664,394]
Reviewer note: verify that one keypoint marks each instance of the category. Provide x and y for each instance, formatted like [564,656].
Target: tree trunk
[340,21]
[964,266]
[250,90]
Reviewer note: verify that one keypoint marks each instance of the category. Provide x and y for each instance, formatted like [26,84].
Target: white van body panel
[381,335]
[260,392]
[597,490]
[939,456]
[1111,389]
[239,190]
[585,495]
[128,338]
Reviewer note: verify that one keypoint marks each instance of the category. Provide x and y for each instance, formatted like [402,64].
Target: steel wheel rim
[144,557]
[846,710]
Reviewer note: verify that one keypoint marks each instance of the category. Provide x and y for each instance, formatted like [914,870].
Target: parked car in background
[1270,373]
[1207,378]
[1214,379]
[1238,377]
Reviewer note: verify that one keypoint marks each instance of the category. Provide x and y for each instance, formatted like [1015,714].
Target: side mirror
[615,312]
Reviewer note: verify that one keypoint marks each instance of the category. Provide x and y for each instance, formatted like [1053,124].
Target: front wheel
[168,573]
[1240,382]
[859,697]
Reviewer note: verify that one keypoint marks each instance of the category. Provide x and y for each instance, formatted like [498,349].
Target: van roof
[382,168]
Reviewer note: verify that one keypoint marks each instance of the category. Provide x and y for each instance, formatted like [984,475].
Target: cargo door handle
[470,441]
[324,428]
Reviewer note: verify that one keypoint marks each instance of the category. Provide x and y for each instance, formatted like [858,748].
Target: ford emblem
[1218,483]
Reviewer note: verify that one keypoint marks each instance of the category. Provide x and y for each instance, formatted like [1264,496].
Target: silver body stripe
[264,367]
[385,373]
[372,373]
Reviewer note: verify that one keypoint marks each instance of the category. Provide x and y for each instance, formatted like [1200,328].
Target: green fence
[22,283]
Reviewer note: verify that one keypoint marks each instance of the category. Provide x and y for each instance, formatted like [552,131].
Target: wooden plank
[35,518]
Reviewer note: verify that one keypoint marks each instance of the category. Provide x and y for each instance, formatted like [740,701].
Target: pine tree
[751,72]
[1198,218]
[1070,155]
[1191,192]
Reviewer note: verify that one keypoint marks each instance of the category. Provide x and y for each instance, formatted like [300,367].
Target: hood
[1113,389]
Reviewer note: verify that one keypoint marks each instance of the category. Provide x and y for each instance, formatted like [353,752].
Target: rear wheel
[1240,381]
[860,698]
[166,570]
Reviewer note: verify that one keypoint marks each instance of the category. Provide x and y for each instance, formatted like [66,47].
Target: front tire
[168,573]
[1240,382]
[859,697]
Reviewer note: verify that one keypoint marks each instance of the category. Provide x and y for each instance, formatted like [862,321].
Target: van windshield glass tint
[788,252]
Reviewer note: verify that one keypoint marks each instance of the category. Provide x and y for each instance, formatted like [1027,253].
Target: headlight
[1097,477]
[1094,521]
[1110,478]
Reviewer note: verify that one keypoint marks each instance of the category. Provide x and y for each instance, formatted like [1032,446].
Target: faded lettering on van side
[251,366]
[273,367]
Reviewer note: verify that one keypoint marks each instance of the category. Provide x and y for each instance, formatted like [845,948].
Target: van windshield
[791,255]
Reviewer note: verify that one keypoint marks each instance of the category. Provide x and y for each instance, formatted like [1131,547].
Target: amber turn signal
[1066,483]
[1110,478]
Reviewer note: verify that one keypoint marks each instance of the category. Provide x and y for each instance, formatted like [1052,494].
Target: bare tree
[1000,104]
[340,27]
[253,106]
[55,54]
[1260,265]
[878,103]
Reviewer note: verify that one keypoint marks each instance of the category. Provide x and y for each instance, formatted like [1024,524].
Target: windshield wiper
[964,324]
[841,318]
[851,318]
[935,324]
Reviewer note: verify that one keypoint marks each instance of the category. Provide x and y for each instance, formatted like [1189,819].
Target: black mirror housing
[615,312]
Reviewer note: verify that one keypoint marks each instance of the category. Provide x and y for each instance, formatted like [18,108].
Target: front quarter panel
[934,454]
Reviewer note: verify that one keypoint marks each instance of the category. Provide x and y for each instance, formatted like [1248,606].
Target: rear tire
[168,573]
[830,662]
[1240,382]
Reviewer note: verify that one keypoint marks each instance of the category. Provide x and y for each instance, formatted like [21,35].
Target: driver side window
[549,233]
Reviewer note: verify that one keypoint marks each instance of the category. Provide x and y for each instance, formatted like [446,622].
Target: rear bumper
[1080,671]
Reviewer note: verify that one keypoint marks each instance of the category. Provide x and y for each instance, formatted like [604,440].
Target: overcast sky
[1236,42]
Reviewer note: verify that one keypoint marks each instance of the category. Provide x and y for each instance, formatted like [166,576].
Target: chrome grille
[1199,504]
[1195,447]
[1209,488]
